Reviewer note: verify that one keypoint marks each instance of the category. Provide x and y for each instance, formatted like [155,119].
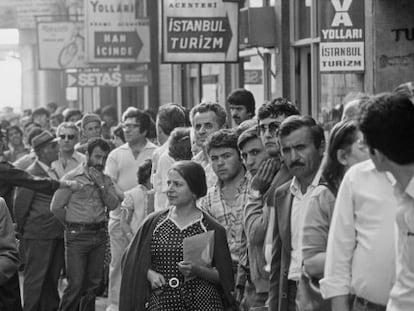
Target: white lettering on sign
[114,51]
[201,25]
[341,15]
[341,34]
[99,79]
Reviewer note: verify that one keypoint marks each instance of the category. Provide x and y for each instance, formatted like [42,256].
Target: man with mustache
[242,105]
[83,213]
[302,145]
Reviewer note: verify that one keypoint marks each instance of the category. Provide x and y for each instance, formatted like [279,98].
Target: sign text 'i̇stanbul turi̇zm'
[342,36]
[199,31]
[115,34]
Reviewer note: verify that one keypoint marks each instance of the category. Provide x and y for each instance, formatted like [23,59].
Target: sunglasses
[272,127]
[70,137]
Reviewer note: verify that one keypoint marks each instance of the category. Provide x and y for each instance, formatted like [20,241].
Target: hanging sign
[199,31]
[114,34]
[342,36]
[61,45]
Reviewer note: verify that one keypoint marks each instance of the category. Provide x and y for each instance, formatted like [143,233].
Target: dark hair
[109,110]
[405,89]
[242,97]
[143,118]
[70,113]
[15,128]
[97,142]
[246,136]
[193,173]
[40,111]
[144,171]
[119,132]
[293,123]
[277,107]
[29,124]
[206,107]
[342,136]
[180,144]
[387,123]
[169,117]
[34,132]
[224,138]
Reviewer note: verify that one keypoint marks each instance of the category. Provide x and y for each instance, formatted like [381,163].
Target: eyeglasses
[70,137]
[272,127]
[130,126]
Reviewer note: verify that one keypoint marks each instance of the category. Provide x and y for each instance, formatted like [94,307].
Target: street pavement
[101,302]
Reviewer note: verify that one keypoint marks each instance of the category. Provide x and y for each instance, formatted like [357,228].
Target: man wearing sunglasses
[270,175]
[69,159]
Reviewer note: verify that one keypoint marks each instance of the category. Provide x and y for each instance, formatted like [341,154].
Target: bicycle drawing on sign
[70,51]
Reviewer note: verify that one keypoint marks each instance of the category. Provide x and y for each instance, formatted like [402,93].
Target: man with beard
[83,213]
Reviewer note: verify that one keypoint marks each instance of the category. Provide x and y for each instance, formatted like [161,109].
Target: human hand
[156,279]
[71,184]
[97,176]
[187,268]
[264,176]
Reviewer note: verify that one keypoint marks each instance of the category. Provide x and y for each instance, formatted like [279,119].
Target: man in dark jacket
[41,231]
[12,177]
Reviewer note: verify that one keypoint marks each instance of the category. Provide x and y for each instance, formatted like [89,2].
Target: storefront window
[304,18]
[336,89]
[254,78]
[212,79]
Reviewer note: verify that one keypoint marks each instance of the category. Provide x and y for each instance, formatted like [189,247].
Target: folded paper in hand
[199,249]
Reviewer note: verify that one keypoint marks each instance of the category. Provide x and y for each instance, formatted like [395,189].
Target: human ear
[342,156]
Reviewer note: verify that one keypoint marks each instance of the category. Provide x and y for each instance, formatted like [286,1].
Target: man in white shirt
[387,124]
[122,166]
[206,118]
[359,259]
[302,144]
[169,117]
[69,159]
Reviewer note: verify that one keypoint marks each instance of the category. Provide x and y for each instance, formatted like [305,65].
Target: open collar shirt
[359,256]
[299,204]
[73,162]
[402,294]
[84,205]
[122,167]
[228,213]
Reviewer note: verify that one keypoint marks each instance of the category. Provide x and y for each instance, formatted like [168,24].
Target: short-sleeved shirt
[228,213]
[122,167]
[72,163]
[84,205]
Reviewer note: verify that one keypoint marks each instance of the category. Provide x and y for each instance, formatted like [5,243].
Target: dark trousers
[361,304]
[291,295]
[85,252]
[10,295]
[44,262]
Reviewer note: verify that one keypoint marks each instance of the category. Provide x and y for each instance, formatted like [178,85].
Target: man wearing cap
[91,128]
[83,212]
[41,232]
[11,176]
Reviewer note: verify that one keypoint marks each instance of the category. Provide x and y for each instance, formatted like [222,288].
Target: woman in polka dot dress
[155,277]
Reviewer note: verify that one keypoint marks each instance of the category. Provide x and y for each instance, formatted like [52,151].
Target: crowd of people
[181,211]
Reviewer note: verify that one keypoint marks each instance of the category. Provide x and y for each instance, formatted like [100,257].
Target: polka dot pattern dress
[166,252]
